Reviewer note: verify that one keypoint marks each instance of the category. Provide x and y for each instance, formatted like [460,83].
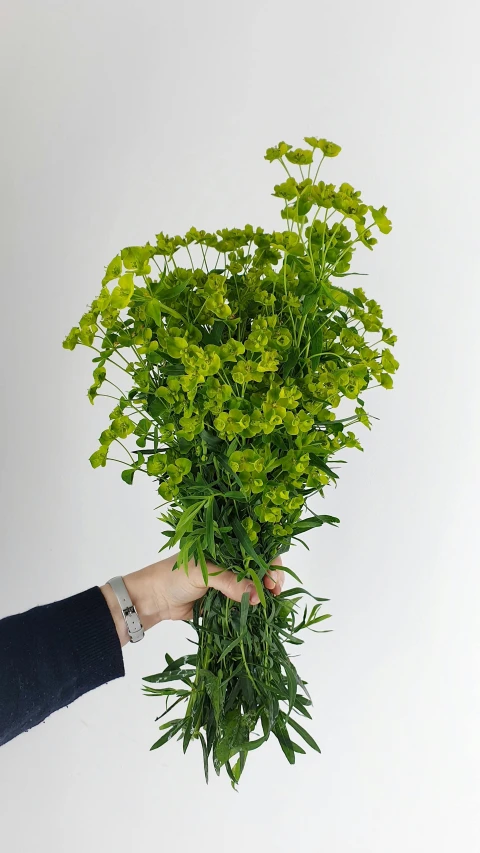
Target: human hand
[158,593]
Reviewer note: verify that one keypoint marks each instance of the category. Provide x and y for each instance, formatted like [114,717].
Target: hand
[158,593]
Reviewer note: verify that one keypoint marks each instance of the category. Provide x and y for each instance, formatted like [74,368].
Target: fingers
[274,581]
[275,578]
[227,583]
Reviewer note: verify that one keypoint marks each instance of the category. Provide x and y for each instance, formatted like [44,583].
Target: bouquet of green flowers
[239,347]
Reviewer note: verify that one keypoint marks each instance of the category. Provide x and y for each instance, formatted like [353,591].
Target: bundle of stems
[239,347]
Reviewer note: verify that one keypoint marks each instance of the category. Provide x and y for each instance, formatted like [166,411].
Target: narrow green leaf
[170,708]
[171,370]
[190,660]
[172,292]
[215,336]
[209,528]
[303,734]
[291,685]
[309,301]
[168,735]
[297,539]
[258,585]
[247,546]
[316,347]
[226,467]
[324,467]
[303,687]
[295,641]
[290,572]
[176,675]
[229,648]
[300,707]
[210,440]
[297,590]
[244,608]
[281,733]
[319,619]
[237,772]
[203,564]
[297,748]
[205,756]
[231,775]
[214,691]
[290,363]
[185,522]
[159,691]
[322,519]
[171,723]
[154,311]
[254,744]
[356,301]
[234,496]
[187,733]
[315,521]
[184,555]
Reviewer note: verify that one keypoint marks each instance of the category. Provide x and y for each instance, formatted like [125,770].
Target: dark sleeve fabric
[51,655]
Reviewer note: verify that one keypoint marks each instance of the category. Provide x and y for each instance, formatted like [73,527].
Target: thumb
[227,583]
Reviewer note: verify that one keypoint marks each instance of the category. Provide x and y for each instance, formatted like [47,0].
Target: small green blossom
[232,422]
[329,149]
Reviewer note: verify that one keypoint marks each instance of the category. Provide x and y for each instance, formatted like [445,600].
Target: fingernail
[273,575]
[254,599]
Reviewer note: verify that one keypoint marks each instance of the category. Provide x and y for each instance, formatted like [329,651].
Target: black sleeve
[51,655]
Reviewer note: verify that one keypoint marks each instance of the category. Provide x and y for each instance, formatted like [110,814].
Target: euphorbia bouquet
[238,347]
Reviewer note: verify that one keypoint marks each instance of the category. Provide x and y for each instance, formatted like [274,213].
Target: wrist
[140,590]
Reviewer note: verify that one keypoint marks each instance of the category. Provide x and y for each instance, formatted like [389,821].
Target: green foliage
[238,348]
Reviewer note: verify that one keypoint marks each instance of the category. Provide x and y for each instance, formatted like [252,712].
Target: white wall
[123,118]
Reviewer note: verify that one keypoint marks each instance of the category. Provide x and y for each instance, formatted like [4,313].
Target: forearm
[51,655]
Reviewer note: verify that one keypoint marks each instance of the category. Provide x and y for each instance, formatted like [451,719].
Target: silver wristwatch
[132,621]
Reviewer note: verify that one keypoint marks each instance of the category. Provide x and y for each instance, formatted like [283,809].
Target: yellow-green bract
[236,349]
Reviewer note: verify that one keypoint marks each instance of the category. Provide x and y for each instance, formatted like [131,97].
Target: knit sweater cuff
[85,625]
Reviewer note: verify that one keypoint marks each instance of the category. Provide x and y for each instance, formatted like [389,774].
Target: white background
[120,119]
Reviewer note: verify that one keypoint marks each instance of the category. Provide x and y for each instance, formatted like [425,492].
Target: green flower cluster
[238,348]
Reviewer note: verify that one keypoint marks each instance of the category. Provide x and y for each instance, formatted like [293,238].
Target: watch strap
[132,620]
